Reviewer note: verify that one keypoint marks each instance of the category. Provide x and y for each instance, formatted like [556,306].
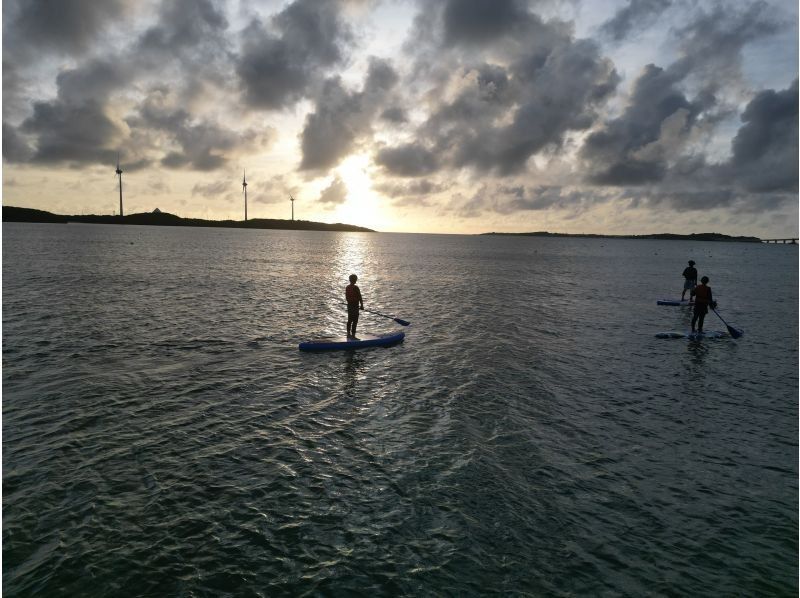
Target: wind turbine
[292,199]
[119,174]
[244,190]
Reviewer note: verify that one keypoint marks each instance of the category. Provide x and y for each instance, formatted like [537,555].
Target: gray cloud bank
[483,91]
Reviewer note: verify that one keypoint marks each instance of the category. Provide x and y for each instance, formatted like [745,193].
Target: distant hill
[661,236]
[14,214]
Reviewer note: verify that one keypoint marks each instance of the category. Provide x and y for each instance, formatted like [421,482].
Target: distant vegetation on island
[661,237]
[14,214]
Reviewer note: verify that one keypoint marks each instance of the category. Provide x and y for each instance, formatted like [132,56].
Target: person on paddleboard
[690,280]
[353,296]
[702,301]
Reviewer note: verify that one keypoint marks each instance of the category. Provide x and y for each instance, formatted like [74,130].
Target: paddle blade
[402,322]
[734,332]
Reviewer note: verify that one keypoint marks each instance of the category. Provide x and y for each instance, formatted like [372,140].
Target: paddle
[398,320]
[734,332]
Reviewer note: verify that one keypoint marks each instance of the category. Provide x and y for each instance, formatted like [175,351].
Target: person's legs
[700,321]
[694,319]
[352,319]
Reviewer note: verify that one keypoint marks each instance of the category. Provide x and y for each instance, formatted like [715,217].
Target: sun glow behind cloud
[362,205]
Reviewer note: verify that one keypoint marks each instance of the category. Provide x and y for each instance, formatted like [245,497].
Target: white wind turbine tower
[292,200]
[119,174]
[244,190]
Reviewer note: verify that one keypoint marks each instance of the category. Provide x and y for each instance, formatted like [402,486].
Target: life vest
[702,294]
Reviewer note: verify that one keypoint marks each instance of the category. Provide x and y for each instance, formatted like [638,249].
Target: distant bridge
[790,241]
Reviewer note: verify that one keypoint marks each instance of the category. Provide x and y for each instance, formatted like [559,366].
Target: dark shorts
[688,285]
[352,311]
[700,308]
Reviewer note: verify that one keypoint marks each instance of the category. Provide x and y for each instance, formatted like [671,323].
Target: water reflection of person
[353,296]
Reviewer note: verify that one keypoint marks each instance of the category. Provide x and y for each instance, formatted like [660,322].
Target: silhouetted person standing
[353,296]
[702,301]
[690,280]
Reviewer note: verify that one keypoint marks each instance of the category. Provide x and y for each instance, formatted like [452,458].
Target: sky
[453,116]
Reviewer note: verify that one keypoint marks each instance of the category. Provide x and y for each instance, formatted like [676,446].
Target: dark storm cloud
[281,61]
[765,154]
[31,26]
[342,116]
[478,21]
[633,17]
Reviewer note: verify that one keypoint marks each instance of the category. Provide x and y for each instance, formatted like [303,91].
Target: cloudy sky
[597,116]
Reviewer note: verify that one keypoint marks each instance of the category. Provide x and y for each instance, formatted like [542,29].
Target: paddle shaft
[377,313]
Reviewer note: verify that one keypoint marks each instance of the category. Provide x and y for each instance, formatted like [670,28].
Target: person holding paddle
[702,301]
[690,279]
[353,296]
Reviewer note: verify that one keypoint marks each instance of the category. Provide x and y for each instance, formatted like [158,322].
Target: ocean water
[163,436]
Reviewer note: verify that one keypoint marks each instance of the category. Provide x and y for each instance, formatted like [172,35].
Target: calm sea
[163,436]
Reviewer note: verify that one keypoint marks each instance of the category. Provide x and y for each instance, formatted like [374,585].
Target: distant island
[660,237]
[159,218]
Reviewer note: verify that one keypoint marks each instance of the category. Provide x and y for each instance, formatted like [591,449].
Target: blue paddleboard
[674,302]
[341,343]
[692,335]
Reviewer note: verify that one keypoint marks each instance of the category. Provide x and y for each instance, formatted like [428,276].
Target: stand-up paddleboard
[692,335]
[674,302]
[345,343]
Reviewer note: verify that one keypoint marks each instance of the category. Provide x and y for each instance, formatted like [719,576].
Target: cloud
[33,26]
[342,117]
[214,189]
[533,84]
[15,147]
[412,188]
[409,160]
[394,115]
[711,43]
[634,16]
[197,144]
[765,154]
[77,133]
[334,194]
[617,154]
[282,60]
[480,21]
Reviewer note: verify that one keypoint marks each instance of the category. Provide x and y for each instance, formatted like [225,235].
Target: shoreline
[15,214]
[657,236]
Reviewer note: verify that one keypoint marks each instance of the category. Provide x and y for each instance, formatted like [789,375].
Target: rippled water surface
[163,436]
